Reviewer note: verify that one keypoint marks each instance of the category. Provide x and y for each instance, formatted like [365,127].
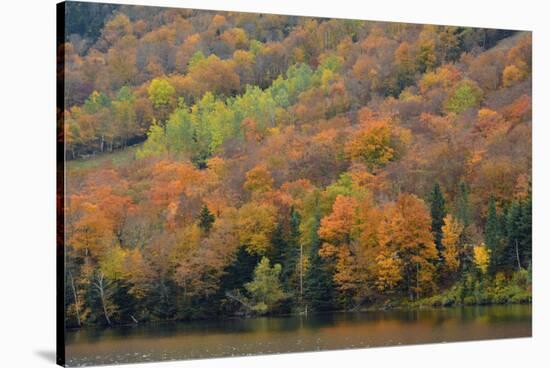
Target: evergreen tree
[519,234]
[289,255]
[463,210]
[239,271]
[463,214]
[206,219]
[294,226]
[318,284]
[437,209]
[512,259]
[294,254]
[492,234]
[527,231]
[285,250]
[278,247]
[233,281]
[500,256]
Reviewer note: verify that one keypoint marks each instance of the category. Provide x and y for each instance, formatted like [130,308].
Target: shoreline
[340,311]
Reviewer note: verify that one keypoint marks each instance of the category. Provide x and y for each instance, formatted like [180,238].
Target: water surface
[268,335]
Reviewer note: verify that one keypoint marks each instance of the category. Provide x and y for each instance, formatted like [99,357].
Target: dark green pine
[318,284]
[492,233]
[206,219]
[437,209]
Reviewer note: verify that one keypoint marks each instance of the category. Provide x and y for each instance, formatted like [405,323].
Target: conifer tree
[437,209]
[527,230]
[295,254]
[318,284]
[492,234]
[206,219]
[512,258]
[463,210]
[240,271]
[291,254]
[278,247]
[519,231]
[463,213]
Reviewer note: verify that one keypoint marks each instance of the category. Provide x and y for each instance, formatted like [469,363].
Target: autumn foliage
[229,164]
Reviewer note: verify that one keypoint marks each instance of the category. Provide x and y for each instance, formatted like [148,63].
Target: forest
[223,164]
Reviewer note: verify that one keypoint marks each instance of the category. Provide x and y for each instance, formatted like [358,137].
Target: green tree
[155,144]
[278,247]
[240,271]
[287,252]
[465,95]
[206,219]
[294,254]
[438,212]
[95,102]
[513,226]
[258,105]
[463,209]
[161,92]
[517,254]
[492,233]
[527,230]
[180,130]
[318,283]
[124,114]
[196,59]
[265,289]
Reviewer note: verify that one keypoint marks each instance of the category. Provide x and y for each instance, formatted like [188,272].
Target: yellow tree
[377,143]
[210,74]
[256,223]
[482,257]
[258,180]
[388,271]
[112,263]
[452,229]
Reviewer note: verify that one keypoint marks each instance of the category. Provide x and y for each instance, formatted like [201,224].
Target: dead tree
[102,285]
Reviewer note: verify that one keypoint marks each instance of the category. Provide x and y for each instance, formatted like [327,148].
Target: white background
[27,181]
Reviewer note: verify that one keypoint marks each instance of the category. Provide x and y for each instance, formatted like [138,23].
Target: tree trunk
[417,285]
[301,271]
[75,296]
[409,289]
[517,255]
[236,298]
[105,308]
[100,285]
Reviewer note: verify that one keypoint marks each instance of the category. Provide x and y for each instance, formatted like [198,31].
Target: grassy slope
[117,158]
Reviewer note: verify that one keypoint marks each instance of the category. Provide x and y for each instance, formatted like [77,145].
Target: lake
[269,335]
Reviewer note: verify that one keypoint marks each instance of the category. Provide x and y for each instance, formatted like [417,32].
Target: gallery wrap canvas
[235,184]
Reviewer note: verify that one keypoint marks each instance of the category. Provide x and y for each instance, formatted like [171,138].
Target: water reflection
[230,337]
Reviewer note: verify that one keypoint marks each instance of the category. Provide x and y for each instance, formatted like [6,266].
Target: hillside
[292,161]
